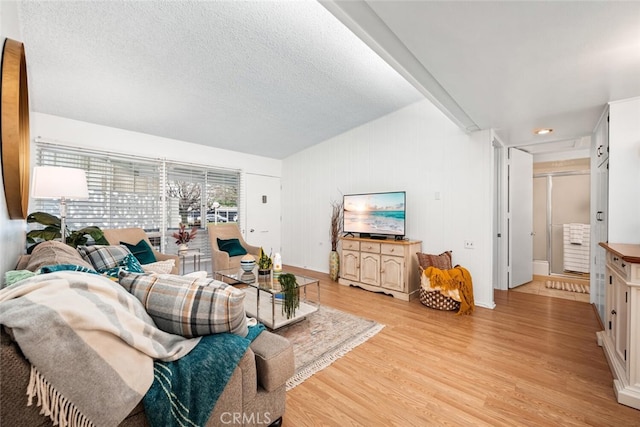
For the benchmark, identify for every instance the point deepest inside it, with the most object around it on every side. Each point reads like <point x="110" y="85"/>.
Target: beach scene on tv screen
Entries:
<point x="381" y="213"/>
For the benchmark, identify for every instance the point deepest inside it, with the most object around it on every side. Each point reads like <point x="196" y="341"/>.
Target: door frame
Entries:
<point x="500" y="240"/>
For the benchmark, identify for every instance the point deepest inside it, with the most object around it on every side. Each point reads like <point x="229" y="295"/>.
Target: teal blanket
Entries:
<point x="184" y="392"/>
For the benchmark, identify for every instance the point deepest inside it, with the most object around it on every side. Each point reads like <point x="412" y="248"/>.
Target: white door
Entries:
<point x="520" y="217"/>
<point x="263" y="212"/>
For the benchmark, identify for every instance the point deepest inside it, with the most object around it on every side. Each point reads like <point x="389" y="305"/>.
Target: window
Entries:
<point x="152" y="194"/>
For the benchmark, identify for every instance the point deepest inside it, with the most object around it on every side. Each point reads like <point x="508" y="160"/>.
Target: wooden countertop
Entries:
<point x="626" y="251"/>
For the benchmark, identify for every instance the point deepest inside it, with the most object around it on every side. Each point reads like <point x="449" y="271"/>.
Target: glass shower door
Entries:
<point x="570" y="204"/>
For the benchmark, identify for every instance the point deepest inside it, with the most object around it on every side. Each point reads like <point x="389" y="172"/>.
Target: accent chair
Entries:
<point x="133" y="236"/>
<point x="234" y="246"/>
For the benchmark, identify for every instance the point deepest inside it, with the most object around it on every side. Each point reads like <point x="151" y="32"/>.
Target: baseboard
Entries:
<point x="541" y="268"/>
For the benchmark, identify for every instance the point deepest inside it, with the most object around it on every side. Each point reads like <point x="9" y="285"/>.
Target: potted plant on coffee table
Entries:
<point x="264" y="267"/>
<point x="291" y="292"/>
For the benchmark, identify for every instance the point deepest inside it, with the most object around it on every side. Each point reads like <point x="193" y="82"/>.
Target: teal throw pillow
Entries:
<point x="232" y="247"/>
<point x="142" y="251"/>
<point x="129" y="263"/>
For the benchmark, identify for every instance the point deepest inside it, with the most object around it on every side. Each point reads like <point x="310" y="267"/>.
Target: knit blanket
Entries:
<point x="91" y="345"/>
<point x="455" y="283"/>
<point x="185" y="391"/>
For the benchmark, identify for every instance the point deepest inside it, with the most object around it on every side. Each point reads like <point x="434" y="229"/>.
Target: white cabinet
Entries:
<point x="615" y="174"/>
<point x="621" y="338"/>
<point x="389" y="266"/>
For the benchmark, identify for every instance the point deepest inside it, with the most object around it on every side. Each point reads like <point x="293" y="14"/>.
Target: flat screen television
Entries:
<point x="375" y="215"/>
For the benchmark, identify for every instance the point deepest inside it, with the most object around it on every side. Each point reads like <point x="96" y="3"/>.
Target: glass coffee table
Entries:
<point x="263" y="296"/>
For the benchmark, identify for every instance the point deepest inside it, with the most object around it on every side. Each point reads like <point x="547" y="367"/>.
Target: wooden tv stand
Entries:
<point x="388" y="266"/>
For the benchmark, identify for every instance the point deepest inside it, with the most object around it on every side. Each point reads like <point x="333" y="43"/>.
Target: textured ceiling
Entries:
<point x="272" y="78"/>
<point x="267" y="78"/>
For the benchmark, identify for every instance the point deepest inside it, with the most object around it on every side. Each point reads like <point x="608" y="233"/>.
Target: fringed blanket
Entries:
<point x="185" y="391"/>
<point x="455" y="283"/>
<point x="91" y="345"/>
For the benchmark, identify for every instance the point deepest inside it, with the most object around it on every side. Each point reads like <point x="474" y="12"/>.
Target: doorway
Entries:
<point x="561" y="217"/>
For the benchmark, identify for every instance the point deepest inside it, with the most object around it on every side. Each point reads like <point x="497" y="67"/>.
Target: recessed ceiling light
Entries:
<point x="543" y="131"/>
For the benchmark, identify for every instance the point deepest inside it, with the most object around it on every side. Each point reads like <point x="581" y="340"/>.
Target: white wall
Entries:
<point x="88" y="135"/>
<point x="624" y="171"/>
<point x="12" y="232"/>
<point x="417" y="150"/>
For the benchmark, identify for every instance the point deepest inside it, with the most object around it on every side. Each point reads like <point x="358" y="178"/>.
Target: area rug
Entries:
<point x="324" y="337"/>
<point x="567" y="286"/>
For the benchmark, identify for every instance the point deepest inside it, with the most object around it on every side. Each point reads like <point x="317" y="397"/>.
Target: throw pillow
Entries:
<point x="442" y="261"/>
<point x="189" y="307"/>
<point x="129" y="263"/>
<point x="160" y="267"/>
<point x="105" y="259"/>
<point x="142" y="251"/>
<point x="53" y="252"/>
<point x="196" y="274"/>
<point x="232" y="247"/>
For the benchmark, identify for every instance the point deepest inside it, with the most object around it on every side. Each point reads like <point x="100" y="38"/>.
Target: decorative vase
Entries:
<point x="264" y="277"/>
<point x="183" y="248"/>
<point x="334" y="265"/>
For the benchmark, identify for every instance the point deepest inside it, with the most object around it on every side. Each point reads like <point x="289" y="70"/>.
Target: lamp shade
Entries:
<point x="52" y="182"/>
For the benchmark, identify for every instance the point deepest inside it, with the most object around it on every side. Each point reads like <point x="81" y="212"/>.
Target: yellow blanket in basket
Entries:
<point x="455" y="283"/>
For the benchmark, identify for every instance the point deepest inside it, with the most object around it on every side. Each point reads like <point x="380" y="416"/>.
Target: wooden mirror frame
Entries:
<point x="14" y="113"/>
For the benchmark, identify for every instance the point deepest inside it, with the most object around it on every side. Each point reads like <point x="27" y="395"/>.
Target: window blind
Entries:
<point x="153" y="194"/>
<point x="199" y="196"/>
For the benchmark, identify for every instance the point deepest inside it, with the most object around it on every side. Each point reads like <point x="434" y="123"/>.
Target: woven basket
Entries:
<point x="435" y="300"/>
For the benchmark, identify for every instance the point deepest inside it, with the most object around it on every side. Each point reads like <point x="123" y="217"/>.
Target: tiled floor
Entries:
<point x="537" y="286"/>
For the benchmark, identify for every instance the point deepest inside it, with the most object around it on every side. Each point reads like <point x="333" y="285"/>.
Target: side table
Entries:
<point x="187" y="255"/>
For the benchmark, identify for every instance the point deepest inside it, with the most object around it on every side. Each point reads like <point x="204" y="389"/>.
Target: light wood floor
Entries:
<point x="532" y="361"/>
<point x="538" y="286"/>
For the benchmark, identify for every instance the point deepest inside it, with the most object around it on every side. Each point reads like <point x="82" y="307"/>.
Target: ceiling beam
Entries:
<point x="367" y="25"/>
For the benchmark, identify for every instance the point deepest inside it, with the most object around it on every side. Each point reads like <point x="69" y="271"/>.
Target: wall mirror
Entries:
<point x="14" y="113"/>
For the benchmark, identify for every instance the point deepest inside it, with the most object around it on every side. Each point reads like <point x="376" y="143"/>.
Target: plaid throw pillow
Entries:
<point x="104" y="257"/>
<point x="442" y="261"/>
<point x="187" y="306"/>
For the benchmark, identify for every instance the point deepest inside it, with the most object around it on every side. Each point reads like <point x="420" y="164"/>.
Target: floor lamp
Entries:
<point x="52" y="182"/>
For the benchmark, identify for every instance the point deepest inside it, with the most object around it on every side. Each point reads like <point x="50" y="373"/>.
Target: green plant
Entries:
<point x="264" y="262"/>
<point x="51" y="231"/>
<point x="291" y="292"/>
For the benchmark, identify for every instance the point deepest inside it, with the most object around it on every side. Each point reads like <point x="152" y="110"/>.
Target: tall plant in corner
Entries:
<point x="336" y="229"/>
<point x="51" y="231"/>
